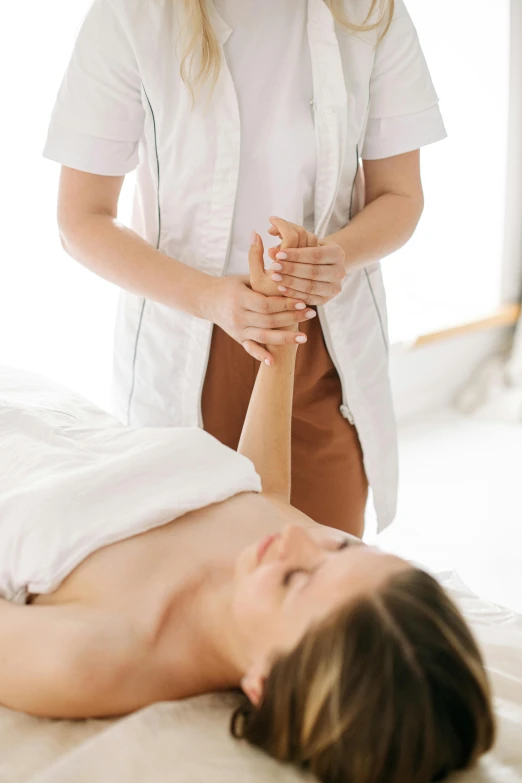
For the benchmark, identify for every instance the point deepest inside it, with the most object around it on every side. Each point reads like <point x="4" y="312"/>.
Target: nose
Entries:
<point x="295" y="540"/>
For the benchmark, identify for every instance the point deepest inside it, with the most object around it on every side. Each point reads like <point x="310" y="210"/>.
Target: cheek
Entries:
<point x="256" y="605"/>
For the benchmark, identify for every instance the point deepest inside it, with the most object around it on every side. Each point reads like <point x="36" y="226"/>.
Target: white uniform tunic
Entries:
<point x="298" y="102"/>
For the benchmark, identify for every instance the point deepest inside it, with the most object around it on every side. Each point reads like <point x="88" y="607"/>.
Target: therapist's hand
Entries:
<point x="251" y="318"/>
<point x="313" y="273"/>
<point x="292" y="237"/>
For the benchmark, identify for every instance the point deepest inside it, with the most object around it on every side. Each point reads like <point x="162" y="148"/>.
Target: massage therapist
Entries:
<point x="239" y="115"/>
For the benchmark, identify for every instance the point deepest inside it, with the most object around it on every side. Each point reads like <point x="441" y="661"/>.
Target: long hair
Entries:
<point x="391" y="688"/>
<point x="200" y="37"/>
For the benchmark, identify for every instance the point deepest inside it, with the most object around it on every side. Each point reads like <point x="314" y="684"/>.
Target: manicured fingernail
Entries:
<point x="281" y="288"/>
<point x="276" y="278"/>
<point x="300" y="306"/>
<point x="276" y="267"/>
<point x="281" y="255"/>
<point x="253" y="237"/>
<point x="311" y="314"/>
<point x="301" y="339"/>
<point x="267" y="361"/>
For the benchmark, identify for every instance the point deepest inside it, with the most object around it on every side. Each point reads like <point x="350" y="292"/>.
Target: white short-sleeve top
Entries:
<point x="269" y="59"/>
<point x="298" y="102"/>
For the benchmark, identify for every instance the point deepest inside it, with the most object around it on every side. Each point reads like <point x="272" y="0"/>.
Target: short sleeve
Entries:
<point x="403" y="113"/>
<point x="98" y="117"/>
<point x="396" y="135"/>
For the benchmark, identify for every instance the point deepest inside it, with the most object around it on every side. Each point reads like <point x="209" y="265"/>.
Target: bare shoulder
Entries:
<point x="65" y="661"/>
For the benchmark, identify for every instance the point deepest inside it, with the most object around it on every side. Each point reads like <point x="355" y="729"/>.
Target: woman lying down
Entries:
<point x="149" y="565"/>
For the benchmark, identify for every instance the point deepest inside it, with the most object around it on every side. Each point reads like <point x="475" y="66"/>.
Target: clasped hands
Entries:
<point x="265" y="308"/>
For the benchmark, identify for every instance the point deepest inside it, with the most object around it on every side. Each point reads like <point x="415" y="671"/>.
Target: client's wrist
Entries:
<point x="286" y="350"/>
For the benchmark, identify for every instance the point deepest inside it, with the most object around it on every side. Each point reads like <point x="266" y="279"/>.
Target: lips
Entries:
<point x="263" y="546"/>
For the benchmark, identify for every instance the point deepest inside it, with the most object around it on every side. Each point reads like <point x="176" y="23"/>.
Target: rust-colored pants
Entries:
<point x="328" y="479"/>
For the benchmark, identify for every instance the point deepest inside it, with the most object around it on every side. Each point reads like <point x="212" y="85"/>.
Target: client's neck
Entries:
<point x="213" y="642"/>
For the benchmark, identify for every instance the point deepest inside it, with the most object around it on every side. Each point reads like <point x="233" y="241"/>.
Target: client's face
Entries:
<point x="286" y="582"/>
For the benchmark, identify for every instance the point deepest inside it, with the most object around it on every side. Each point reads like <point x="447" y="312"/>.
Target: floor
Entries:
<point x="460" y="503"/>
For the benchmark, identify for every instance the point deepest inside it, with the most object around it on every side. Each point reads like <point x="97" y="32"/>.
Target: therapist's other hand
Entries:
<point x="292" y="236"/>
<point x="313" y="273"/>
<point x="250" y="317"/>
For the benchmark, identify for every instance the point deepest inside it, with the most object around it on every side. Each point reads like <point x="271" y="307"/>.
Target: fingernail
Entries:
<point x="276" y="267"/>
<point x="311" y="314"/>
<point x="253" y="237"/>
<point x="300" y="306"/>
<point x="281" y="288"/>
<point x="281" y="255"/>
<point x="300" y="339"/>
<point x="276" y="278"/>
<point x="267" y="361"/>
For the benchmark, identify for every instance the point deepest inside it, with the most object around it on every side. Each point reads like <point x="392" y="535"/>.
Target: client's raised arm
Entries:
<point x="266" y="434"/>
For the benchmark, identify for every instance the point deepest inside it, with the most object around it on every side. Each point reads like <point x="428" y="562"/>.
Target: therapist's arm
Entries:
<point x="92" y="235"/>
<point x="394" y="202"/>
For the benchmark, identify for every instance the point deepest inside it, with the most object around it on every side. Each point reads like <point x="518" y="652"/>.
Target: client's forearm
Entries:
<point x="266" y="434"/>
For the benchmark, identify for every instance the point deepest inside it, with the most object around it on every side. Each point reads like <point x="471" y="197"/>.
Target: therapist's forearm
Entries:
<point x="381" y="228"/>
<point x="122" y="257"/>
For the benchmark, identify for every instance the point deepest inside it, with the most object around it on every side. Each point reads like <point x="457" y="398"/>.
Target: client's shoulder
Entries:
<point x="67" y="661"/>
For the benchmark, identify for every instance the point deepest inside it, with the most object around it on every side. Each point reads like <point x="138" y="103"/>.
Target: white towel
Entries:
<point x="73" y="479"/>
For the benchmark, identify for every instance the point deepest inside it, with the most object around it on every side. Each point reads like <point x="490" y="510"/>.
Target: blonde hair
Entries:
<point x="389" y="689"/>
<point x="199" y="35"/>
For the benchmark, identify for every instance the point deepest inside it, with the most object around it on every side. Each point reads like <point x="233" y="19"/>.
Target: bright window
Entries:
<point x="451" y="270"/>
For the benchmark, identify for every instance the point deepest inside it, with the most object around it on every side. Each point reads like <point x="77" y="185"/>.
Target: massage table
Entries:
<point x="189" y="741"/>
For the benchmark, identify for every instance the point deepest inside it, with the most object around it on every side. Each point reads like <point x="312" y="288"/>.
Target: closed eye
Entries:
<point x="290" y="574"/>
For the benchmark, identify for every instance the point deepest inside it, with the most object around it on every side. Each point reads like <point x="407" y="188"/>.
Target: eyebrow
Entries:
<point x="344" y="543"/>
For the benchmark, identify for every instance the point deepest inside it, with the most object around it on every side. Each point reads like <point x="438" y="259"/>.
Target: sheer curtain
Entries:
<point x="495" y="390"/>
<point x="513" y="248"/>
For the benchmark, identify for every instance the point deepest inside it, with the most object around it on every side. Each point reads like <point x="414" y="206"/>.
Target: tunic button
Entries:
<point x="345" y="411"/>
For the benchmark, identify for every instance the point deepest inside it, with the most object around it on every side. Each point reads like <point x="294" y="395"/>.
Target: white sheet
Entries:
<point x="73" y="479"/>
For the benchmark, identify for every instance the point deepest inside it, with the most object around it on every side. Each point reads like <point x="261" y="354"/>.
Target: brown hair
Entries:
<point x="391" y="688"/>
<point x="200" y="36"/>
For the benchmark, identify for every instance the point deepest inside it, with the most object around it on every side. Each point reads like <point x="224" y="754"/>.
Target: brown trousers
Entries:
<point x="328" y="479"/>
